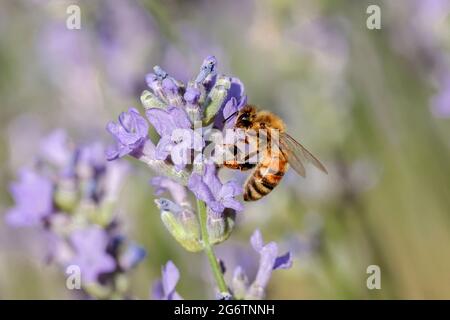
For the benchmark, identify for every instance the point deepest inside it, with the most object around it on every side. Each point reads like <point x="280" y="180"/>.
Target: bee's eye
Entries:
<point x="245" y="117"/>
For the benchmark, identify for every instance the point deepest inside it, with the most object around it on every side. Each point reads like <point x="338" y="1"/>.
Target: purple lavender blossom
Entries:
<point x="177" y="137"/>
<point x="55" y="148"/>
<point x="130" y="133"/>
<point x="208" y="68"/>
<point x="229" y="111"/>
<point x="90" y="253"/>
<point x="70" y="196"/>
<point x="268" y="261"/>
<point x="235" y="101"/>
<point x="164" y="289"/>
<point x="175" y="109"/>
<point x="33" y="195"/>
<point x="216" y="195"/>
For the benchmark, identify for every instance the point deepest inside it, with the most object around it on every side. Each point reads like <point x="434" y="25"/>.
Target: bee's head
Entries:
<point x="246" y="117"/>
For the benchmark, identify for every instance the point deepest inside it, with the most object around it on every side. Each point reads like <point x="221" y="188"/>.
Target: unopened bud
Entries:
<point x="216" y="98"/>
<point x="181" y="223"/>
<point x="219" y="226"/>
<point x="66" y="196"/>
<point x="150" y="100"/>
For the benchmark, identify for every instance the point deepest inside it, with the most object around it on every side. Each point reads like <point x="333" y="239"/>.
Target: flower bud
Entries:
<point x="150" y="100"/>
<point x="66" y="196"/>
<point x="154" y="82"/>
<point x="219" y="226"/>
<point x="172" y="91"/>
<point x="193" y="109"/>
<point x="207" y="69"/>
<point x="181" y="223"/>
<point x="216" y="98"/>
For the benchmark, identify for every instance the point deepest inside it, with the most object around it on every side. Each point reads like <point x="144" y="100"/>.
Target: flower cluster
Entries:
<point x="69" y="194"/>
<point x="181" y="115"/>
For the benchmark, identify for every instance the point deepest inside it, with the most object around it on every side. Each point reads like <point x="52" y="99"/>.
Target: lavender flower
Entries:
<point x="164" y="289"/>
<point x="130" y="134"/>
<point x="166" y="124"/>
<point x="90" y="253"/>
<point x="236" y="100"/>
<point x="55" y="148"/>
<point x="33" y="197"/>
<point x="268" y="261"/>
<point x="176" y="111"/>
<point x="70" y="196"/>
<point x="216" y="195"/>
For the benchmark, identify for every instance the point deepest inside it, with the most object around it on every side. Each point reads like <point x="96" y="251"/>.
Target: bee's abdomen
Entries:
<point x="265" y="178"/>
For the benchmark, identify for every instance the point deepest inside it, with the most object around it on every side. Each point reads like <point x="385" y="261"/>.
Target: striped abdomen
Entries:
<point x="266" y="176"/>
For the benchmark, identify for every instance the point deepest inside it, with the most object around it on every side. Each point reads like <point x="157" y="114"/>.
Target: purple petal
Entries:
<point x="192" y="95"/>
<point x="227" y="193"/>
<point x="33" y="196"/>
<point x="202" y="192"/>
<point x="211" y="180"/>
<point x="158" y="291"/>
<point x="112" y="153"/>
<point x="134" y="122"/>
<point x="130" y="133"/>
<point x="163" y="184"/>
<point x="55" y="148"/>
<point x="268" y="255"/>
<point x="169" y="86"/>
<point x="283" y="262"/>
<point x="233" y="204"/>
<point x="161" y="120"/>
<point x="163" y="148"/>
<point x="18" y="218"/>
<point x="231" y="189"/>
<point x="235" y="92"/>
<point x="90" y="253"/>
<point x="257" y="241"/>
<point x="170" y="277"/>
<point x="180" y="118"/>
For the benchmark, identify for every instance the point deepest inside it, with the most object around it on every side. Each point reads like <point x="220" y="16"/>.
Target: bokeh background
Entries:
<point x="373" y="105"/>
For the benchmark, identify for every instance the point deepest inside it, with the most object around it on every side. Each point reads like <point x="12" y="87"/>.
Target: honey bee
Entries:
<point x="275" y="157"/>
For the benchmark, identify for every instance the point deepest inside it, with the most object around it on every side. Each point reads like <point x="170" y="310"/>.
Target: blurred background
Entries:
<point x="373" y="105"/>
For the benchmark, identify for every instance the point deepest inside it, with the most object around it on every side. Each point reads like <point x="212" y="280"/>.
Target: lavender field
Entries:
<point x="102" y="198"/>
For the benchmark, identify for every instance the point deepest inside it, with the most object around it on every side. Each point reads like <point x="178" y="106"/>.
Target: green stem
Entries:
<point x="201" y="208"/>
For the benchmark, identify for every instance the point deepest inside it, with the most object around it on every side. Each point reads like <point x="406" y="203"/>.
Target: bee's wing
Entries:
<point x="297" y="154"/>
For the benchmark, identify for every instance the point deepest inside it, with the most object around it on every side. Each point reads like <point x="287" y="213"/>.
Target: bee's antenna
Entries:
<point x="230" y="116"/>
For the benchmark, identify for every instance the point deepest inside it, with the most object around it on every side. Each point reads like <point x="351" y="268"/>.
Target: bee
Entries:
<point x="280" y="151"/>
